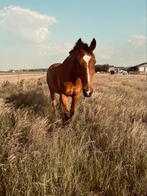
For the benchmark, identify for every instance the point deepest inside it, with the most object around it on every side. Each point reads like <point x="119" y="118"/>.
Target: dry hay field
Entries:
<point x="103" y="151"/>
<point x="16" y="77"/>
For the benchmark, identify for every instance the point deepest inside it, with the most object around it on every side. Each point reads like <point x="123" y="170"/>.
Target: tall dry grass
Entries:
<point x="103" y="151"/>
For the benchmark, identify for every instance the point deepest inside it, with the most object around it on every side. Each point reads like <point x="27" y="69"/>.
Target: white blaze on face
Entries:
<point x="87" y="58"/>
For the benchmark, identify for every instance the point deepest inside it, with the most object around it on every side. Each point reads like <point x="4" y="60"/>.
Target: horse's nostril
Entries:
<point x="91" y="91"/>
<point x="87" y="93"/>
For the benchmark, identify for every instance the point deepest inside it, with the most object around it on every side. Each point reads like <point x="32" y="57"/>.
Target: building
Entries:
<point x="140" y="68"/>
<point x="105" y="68"/>
<point x="112" y="70"/>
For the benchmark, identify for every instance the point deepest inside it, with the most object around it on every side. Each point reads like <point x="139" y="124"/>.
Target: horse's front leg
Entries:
<point x="64" y="101"/>
<point x="75" y="100"/>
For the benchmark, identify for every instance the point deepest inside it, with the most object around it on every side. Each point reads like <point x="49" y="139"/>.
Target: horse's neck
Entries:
<point x="69" y="68"/>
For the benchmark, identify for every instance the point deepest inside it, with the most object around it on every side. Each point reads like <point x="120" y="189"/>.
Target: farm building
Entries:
<point x="141" y="68"/>
<point x="112" y="69"/>
<point x="106" y="68"/>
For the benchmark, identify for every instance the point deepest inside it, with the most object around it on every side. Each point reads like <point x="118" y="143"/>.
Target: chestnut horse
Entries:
<point x="73" y="76"/>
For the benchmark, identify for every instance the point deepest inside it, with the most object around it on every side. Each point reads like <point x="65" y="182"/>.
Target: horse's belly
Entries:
<point x="53" y="81"/>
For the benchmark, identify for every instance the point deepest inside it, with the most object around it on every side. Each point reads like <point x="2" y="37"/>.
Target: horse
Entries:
<point x="74" y="75"/>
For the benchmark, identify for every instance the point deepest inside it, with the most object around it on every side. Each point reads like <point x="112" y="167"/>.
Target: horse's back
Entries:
<point x="53" y="74"/>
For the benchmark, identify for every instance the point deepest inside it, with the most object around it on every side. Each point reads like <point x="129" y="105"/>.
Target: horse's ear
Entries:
<point x="79" y="43"/>
<point x="92" y="45"/>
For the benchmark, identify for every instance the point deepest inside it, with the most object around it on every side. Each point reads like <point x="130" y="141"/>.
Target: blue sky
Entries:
<point x="36" y="33"/>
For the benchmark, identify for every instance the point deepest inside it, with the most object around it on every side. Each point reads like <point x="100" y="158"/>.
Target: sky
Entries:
<point x="38" y="33"/>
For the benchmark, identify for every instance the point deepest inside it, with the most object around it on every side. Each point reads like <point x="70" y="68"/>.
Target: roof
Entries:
<point x="142" y="64"/>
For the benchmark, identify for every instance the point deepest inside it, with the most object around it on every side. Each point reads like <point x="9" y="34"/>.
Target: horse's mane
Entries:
<point x="83" y="46"/>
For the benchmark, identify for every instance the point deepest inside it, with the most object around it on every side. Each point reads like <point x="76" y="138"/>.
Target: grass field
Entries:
<point x="16" y="77"/>
<point x="103" y="151"/>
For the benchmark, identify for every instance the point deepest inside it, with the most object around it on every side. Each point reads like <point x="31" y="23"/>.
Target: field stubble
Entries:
<point x="103" y="151"/>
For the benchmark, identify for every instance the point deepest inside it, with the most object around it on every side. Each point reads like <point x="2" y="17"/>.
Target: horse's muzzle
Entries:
<point x="87" y="93"/>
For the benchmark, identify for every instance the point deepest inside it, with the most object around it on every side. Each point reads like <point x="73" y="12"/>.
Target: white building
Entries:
<point x="142" y="68"/>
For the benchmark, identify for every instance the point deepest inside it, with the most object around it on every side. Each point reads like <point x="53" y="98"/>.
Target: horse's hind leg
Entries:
<point x="54" y="102"/>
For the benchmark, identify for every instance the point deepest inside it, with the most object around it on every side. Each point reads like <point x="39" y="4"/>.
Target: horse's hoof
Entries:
<point x="67" y="119"/>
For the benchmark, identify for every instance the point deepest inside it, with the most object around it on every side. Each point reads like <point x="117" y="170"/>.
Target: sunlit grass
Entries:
<point x="103" y="151"/>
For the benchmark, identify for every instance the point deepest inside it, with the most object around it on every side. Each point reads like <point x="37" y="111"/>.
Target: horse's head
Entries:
<point x="86" y="62"/>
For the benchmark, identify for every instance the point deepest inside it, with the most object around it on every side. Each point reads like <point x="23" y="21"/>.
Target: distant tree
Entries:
<point x="102" y="68"/>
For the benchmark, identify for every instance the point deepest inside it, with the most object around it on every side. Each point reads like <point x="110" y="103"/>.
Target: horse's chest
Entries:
<point x="71" y="89"/>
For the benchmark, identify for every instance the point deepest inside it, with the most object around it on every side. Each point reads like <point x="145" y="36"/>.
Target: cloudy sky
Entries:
<point x="37" y="33"/>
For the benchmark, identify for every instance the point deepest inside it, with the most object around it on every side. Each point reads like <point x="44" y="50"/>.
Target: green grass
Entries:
<point x="103" y="151"/>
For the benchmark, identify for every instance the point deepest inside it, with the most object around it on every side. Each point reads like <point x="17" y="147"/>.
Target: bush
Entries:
<point x="33" y="99"/>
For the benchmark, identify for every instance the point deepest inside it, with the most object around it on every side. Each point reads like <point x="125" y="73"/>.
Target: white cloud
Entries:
<point x="104" y="53"/>
<point x="30" y="25"/>
<point x="45" y="50"/>
<point x="138" y="40"/>
<point x="104" y="56"/>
